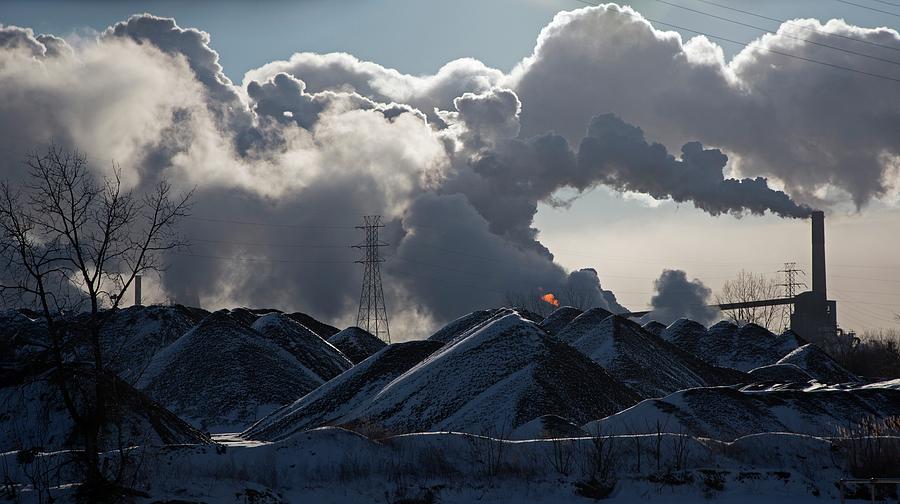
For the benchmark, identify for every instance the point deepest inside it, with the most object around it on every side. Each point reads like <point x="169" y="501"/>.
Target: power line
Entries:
<point x="766" y="30"/>
<point x="788" y="21"/>
<point x="257" y="259"/>
<point x="866" y="278"/>
<point x="887" y="3"/>
<point x="267" y="224"/>
<point x="263" y="244"/>
<point x="767" y="49"/>
<point x="867" y="7"/>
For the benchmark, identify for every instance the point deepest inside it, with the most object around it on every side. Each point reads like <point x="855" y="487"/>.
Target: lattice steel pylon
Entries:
<point x="372" y="314"/>
<point x="790" y="287"/>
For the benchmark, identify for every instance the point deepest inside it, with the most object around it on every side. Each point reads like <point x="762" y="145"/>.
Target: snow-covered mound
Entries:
<point x="133" y="335"/>
<point x="548" y="427"/>
<point x="248" y="316"/>
<point x="222" y="375"/>
<point x="130" y="336"/>
<point x="781" y="373"/>
<point x="727" y="413"/>
<point x="818" y="364"/>
<point x="582" y="324"/>
<point x="311" y="351"/>
<point x="338" y="401"/>
<point x="684" y="330"/>
<point x="655" y="328"/>
<point x="356" y="343"/>
<point x="559" y="319"/>
<point x="463" y="324"/>
<point x="22" y="334"/>
<point x="725" y="344"/>
<point x="33" y="414"/>
<point x="494" y="379"/>
<point x="649" y="364"/>
<point x="324" y="330"/>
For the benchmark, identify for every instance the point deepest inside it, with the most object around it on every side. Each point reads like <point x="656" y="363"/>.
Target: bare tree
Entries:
<point x="750" y="286"/>
<point x="70" y="242"/>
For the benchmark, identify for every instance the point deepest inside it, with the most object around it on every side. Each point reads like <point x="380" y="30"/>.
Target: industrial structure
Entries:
<point x="814" y="316"/>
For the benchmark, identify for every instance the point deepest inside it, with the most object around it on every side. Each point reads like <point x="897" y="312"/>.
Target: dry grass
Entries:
<point x="873" y="447"/>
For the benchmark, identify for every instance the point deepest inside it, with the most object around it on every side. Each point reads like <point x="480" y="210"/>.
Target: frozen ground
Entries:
<point x="332" y="465"/>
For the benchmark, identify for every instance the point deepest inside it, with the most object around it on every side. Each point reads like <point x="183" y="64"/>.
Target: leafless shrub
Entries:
<point x="872" y="447"/>
<point x="681" y="446"/>
<point x="601" y="457"/>
<point x="488" y="451"/>
<point x="560" y="452"/>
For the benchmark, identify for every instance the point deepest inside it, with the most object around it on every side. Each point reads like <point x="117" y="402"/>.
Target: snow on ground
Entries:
<point x="33" y="415"/>
<point x="728" y="413"/>
<point x="338" y="466"/>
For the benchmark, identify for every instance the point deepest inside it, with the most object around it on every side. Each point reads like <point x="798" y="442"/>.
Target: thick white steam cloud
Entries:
<point x="457" y="162"/>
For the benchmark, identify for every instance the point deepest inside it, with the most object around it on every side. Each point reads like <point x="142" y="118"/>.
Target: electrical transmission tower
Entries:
<point x="791" y="285"/>
<point x="792" y="281"/>
<point x="372" y="314"/>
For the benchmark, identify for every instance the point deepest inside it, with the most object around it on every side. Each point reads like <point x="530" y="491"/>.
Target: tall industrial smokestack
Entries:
<point x="137" y="290"/>
<point x="818" y="253"/>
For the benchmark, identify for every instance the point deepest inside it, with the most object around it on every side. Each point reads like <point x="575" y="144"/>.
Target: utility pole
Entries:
<point x="372" y="315"/>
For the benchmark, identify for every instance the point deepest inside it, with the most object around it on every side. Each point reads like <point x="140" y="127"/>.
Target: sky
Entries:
<point x="627" y="238"/>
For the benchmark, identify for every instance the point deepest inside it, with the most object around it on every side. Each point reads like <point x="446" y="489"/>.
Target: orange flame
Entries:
<point x="550" y="298"/>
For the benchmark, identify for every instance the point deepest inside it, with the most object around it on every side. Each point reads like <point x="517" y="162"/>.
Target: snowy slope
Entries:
<point x="548" y="427"/>
<point x="336" y="402"/>
<point x="463" y="324"/>
<point x="356" y="343"/>
<point x="21" y="335"/>
<point x="222" y="375"/>
<point x="725" y="344"/>
<point x="498" y="377"/>
<point x="781" y="373"/>
<point x="560" y="318"/>
<point x="32" y="414"/>
<point x="324" y="330"/>
<point x="649" y="364"/>
<point x="133" y="335"/>
<point x="819" y="365"/>
<point x="654" y="327"/>
<point x="727" y="413"/>
<point x="311" y="351"/>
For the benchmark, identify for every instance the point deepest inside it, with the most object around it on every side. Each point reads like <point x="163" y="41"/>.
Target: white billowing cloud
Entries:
<point x="800" y="122"/>
<point x="344" y="72"/>
<point x="456" y="161"/>
<point x="110" y="100"/>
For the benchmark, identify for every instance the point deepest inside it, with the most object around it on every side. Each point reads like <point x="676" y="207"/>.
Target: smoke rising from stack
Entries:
<point x="678" y="297"/>
<point x="457" y="162"/>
